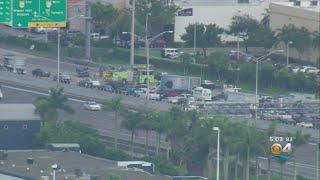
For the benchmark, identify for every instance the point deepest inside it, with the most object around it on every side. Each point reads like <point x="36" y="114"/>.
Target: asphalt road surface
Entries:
<point x="103" y="121"/>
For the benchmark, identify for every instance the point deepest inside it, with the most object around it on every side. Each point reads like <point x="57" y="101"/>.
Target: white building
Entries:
<point x="216" y="11"/>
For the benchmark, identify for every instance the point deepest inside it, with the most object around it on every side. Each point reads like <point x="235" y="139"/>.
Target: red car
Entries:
<point x="158" y="43"/>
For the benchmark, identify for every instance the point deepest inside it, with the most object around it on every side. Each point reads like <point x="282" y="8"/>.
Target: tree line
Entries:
<point x="190" y="135"/>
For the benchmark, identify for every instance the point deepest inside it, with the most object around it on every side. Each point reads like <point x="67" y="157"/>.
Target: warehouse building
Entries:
<point x="18" y="126"/>
<point x="300" y="14"/>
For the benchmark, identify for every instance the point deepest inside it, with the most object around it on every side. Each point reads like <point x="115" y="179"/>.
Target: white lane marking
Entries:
<point x="307" y="166"/>
<point x="164" y="143"/>
<point x="37" y="92"/>
<point x="313" y="144"/>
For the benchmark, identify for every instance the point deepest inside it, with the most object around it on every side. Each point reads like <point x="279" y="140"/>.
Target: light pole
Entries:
<point x="132" y="33"/>
<point x="59" y="46"/>
<point x="257" y="71"/>
<point x="218" y="150"/>
<point x="58" y="57"/>
<point x="87" y="18"/>
<point x="194" y="42"/>
<point x="147" y="52"/>
<point x="88" y="31"/>
<point x="288" y="47"/>
<point x="54" y="168"/>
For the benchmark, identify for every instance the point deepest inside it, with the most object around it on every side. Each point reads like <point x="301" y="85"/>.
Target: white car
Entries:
<point x="304" y="124"/>
<point x="92" y="106"/>
<point x="312" y="70"/>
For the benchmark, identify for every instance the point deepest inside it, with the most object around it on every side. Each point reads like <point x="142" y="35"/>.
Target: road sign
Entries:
<point x="35" y="12"/>
<point x="5" y="11"/>
<point x="46" y="24"/>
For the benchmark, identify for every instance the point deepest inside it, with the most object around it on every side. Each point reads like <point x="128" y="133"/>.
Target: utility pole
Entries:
<point x="194" y="42"/>
<point x="132" y="33"/>
<point x="88" y="31"/>
<point x="147" y="52"/>
<point x="58" y="57"/>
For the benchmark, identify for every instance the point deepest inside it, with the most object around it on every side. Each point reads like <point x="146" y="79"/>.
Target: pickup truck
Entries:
<point x="152" y="95"/>
<point x="64" y="78"/>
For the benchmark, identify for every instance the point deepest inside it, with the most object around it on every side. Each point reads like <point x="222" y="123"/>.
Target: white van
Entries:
<point x="170" y="53"/>
<point x="202" y="94"/>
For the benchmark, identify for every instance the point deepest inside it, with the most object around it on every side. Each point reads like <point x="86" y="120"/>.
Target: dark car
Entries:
<point x="108" y="88"/>
<point x="40" y="73"/>
<point x="85" y="83"/>
<point x="82" y="72"/>
<point x="64" y="78"/>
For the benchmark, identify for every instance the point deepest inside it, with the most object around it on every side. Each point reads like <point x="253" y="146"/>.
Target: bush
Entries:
<point x="116" y="155"/>
<point x="160" y="63"/>
<point x="166" y="167"/>
<point x="104" y="43"/>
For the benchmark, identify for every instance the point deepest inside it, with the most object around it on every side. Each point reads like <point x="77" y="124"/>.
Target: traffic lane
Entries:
<point x="103" y="121"/>
<point x="44" y="62"/>
<point x="80" y="92"/>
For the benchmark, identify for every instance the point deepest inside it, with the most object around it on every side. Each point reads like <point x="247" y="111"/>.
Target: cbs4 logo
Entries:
<point x="277" y="149"/>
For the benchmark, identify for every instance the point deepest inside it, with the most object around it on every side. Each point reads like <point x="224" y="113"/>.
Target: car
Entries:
<point x="108" y="88"/>
<point x="85" y="83"/>
<point x="63" y="77"/>
<point x="82" y="71"/>
<point x="305" y="124"/>
<point x="40" y="73"/>
<point x="92" y="106"/>
<point x="170" y="53"/>
<point x="312" y="70"/>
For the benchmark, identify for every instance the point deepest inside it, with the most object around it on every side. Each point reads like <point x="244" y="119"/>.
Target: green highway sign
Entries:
<point x="37" y="12"/>
<point x="54" y="10"/>
<point x="5" y="11"/>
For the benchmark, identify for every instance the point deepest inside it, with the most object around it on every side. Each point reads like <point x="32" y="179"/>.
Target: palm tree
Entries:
<point x="299" y="139"/>
<point x="132" y="122"/>
<point x="178" y="127"/>
<point x="265" y="21"/>
<point x="116" y="106"/>
<point x="147" y="125"/>
<point x="47" y="107"/>
<point x="161" y="123"/>
<point x="270" y="132"/>
<point x="249" y="143"/>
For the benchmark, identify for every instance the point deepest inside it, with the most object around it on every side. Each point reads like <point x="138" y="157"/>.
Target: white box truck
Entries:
<point x="14" y="64"/>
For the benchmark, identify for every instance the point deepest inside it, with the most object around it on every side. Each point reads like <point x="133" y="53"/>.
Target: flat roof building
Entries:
<point x="18" y="126"/>
<point x="219" y="13"/>
<point x="303" y="14"/>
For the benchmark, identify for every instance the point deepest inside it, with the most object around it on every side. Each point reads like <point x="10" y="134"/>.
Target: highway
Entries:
<point x="103" y="121"/>
<point x="24" y="89"/>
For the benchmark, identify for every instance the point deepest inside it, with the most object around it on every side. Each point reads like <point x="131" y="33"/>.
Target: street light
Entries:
<point x="132" y="32"/>
<point x="288" y="47"/>
<point x="218" y="150"/>
<point x="257" y="60"/>
<point x="59" y="46"/>
<point x="54" y="168"/>
<point x="148" y="41"/>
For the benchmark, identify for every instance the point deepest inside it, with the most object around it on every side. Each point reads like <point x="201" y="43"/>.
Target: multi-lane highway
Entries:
<point x="103" y="121"/>
<point x="24" y="89"/>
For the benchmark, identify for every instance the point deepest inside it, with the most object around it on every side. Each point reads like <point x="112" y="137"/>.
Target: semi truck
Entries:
<point x="14" y="63"/>
<point x="176" y="82"/>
